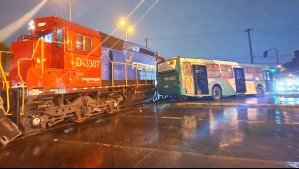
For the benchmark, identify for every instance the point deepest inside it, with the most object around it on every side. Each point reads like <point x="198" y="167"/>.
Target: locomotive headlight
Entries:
<point x="31" y="26"/>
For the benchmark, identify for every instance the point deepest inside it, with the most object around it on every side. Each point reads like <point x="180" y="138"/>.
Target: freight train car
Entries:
<point x="63" y="70"/>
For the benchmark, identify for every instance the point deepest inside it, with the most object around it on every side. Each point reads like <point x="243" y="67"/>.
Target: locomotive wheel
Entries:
<point x="77" y="117"/>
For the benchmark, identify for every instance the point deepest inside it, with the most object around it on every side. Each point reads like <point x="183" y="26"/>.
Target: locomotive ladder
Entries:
<point x="8" y="129"/>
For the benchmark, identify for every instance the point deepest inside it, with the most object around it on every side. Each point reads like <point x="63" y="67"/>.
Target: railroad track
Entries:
<point x="66" y="127"/>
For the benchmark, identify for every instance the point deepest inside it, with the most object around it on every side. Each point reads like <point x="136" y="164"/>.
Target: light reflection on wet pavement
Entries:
<point x="170" y="135"/>
<point x="276" y="100"/>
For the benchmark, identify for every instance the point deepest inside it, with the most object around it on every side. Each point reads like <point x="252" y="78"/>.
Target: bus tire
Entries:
<point x="216" y="93"/>
<point x="260" y="91"/>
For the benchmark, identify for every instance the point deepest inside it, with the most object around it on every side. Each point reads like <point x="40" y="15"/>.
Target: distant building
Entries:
<point x="296" y="59"/>
<point x="294" y="65"/>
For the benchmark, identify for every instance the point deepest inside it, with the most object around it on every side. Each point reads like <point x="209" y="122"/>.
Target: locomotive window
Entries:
<point x="79" y="42"/>
<point x="48" y="38"/>
<point x="87" y="44"/>
<point x="83" y="43"/>
<point x="59" y="38"/>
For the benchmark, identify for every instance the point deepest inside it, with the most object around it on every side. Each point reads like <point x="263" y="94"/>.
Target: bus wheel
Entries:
<point x="216" y="93"/>
<point x="260" y="92"/>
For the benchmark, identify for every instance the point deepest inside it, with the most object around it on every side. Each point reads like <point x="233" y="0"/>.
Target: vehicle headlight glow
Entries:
<point x="290" y="83"/>
<point x="280" y="88"/>
<point x="280" y="83"/>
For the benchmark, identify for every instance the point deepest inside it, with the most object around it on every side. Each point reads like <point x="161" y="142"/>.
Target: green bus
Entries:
<point x="192" y="77"/>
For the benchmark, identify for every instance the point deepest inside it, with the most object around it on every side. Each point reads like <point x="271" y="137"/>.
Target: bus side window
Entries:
<point x="248" y="73"/>
<point x="226" y="71"/>
<point x="223" y="67"/>
<point x="213" y="70"/>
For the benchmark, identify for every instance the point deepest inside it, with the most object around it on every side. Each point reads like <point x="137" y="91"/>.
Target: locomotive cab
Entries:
<point x="57" y="53"/>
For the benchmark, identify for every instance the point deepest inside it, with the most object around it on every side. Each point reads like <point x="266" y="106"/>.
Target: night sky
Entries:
<point x="208" y="29"/>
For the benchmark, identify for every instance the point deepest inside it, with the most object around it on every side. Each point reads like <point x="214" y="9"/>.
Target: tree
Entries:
<point x="5" y="57"/>
<point x="294" y="65"/>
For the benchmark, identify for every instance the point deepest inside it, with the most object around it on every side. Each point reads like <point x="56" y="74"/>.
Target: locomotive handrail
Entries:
<point x="112" y="72"/>
<point x="26" y="37"/>
<point x="126" y="73"/>
<point x="135" y="64"/>
<point x="6" y="84"/>
<point x="19" y="72"/>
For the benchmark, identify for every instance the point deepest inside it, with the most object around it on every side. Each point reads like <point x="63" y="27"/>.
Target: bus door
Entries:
<point x="268" y="81"/>
<point x="240" y="80"/>
<point x="200" y="79"/>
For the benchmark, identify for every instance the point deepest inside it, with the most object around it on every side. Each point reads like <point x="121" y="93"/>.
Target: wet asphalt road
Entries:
<point x="235" y="132"/>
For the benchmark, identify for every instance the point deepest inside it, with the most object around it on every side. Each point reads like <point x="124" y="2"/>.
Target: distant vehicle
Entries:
<point x="193" y="77"/>
<point x="287" y="83"/>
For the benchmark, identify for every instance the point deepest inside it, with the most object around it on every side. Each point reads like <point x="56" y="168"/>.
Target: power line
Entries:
<point x="270" y="32"/>
<point x="276" y="31"/>
<point x="192" y="35"/>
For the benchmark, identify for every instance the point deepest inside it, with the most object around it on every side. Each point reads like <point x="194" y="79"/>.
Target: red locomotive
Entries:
<point x="63" y="70"/>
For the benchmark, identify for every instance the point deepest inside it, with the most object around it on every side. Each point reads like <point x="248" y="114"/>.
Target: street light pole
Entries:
<point x="277" y="58"/>
<point x="126" y="32"/>
<point x="126" y="26"/>
<point x="70" y="10"/>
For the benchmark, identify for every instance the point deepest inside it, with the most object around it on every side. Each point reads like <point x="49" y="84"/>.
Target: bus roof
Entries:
<point x="218" y="62"/>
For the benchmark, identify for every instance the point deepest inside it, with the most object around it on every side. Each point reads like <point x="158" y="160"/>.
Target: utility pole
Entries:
<point x="251" y="56"/>
<point x="146" y="40"/>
